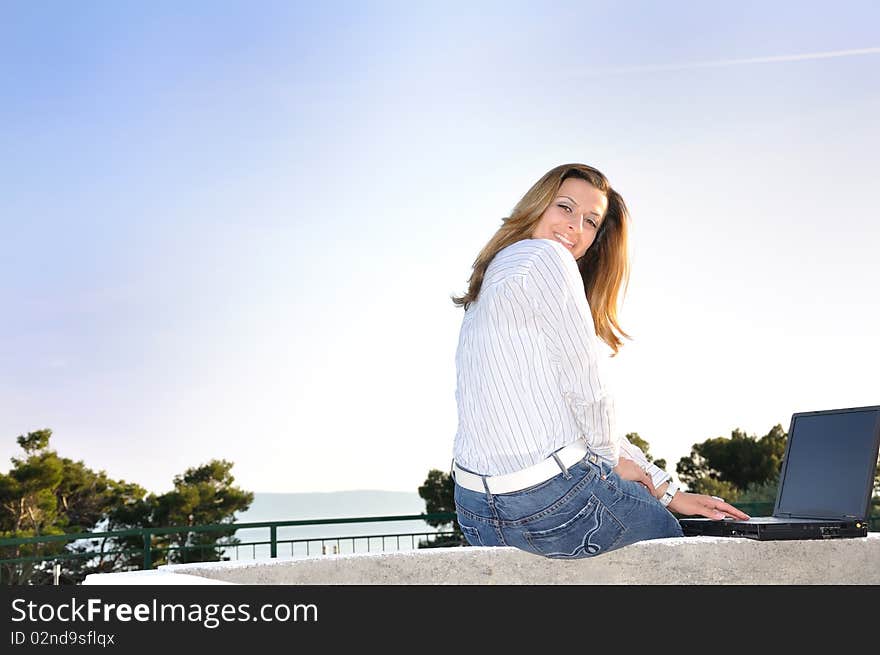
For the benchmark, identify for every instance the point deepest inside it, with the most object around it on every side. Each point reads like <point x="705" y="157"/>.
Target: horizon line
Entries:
<point x="737" y="62"/>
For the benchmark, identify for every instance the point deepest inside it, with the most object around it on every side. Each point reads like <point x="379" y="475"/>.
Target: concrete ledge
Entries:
<point x="685" y="560"/>
<point x="159" y="576"/>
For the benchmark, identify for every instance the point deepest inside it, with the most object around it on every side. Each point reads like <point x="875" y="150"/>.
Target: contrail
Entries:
<point x="736" y="62"/>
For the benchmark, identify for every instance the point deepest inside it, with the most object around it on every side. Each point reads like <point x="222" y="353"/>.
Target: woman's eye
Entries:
<point x="566" y="208"/>
<point x="593" y="223"/>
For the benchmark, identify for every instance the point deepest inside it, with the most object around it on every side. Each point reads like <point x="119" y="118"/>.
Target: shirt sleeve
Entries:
<point x="628" y="450"/>
<point x="569" y="332"/>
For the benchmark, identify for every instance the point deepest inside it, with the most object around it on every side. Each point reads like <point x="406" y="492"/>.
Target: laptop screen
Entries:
<point x="829" y="464"/>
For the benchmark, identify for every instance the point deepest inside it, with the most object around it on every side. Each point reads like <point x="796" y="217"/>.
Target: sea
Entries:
<point x="311" y="540"/>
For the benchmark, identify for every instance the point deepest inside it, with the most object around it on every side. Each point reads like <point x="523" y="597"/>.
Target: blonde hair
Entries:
<point x="605" y="266"/>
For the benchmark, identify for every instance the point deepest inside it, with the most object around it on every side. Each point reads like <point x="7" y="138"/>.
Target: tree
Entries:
<point x="44" y="494"/>
<point x="728" y="467"/>
<point x="762" y="492"/>
<point x="438" y="492"/>
<point x="203" y="495"/>
<point x="91" y="501"/>
<point x="28" y="507"/>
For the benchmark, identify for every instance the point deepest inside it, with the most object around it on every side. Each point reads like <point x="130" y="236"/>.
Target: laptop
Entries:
<point x="825" y="482"/>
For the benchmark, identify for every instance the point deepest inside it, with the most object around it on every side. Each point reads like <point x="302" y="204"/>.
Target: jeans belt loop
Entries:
<point x="562" y="467"/>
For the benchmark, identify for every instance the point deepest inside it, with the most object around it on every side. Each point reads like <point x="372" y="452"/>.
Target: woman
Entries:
<point x="537" y="462"/>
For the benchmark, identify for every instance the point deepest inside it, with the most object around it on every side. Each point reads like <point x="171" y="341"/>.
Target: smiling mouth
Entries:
<point x="565" y="242"/>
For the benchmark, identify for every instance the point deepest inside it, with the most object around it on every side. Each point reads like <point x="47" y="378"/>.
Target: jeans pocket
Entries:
<point x="591" y="531"/>
<point x="471" y="534"/>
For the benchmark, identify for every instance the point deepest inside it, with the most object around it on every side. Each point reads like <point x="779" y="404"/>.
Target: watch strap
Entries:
<point x="669" y="493"/>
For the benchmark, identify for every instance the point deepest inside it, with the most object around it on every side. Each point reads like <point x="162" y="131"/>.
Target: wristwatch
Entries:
<point x="669" y="494"/>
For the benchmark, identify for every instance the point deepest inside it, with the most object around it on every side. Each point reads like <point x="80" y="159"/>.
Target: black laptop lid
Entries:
<point x="829" y="464"/>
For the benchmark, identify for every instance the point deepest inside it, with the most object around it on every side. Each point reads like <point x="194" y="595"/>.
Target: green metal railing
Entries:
<point x="150" y="548"/>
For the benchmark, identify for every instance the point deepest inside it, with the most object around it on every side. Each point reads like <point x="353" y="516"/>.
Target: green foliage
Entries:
<point x="738" y="462"/>
<point x="28" y="507"/>
<point x="203" y="495"/>
<point x="27" y="501"/>
<point x="438" y="492"/>
<point x="746" y="470"/>
<point x="44" y="494"/>
<point x="761" y="492"/>
<point x="82" y="495"/>
<point x="713" y="487"/>
<point x="34" y="441"/>
<point x="876" y="493"/>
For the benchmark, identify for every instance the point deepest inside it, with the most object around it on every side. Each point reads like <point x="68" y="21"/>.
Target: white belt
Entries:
<point x="527" y="477"/>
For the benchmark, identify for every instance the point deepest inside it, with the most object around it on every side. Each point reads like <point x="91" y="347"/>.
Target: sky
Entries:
<point x="232" y="229"/>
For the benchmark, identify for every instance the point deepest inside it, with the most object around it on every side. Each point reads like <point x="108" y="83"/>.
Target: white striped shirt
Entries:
<point x="528" y="367"/>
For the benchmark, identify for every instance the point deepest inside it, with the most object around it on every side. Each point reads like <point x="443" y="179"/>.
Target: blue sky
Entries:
<point x="232" y="229"/>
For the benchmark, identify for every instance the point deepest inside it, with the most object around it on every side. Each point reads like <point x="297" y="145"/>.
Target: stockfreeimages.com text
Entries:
<point x="210" y="615"/>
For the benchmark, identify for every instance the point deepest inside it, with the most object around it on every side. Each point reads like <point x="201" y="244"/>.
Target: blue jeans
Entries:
<point x="584" y="512"/>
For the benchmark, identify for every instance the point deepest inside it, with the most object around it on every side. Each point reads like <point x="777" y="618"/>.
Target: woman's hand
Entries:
<point x="711" y="507"/>
<point x="630" y="470"/>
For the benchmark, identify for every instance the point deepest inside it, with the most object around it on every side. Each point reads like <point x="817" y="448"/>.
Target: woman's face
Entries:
<point x="574" y="216"/>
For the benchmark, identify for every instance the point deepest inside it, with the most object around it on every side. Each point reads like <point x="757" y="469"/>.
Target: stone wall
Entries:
<point x="685" y="560"/>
